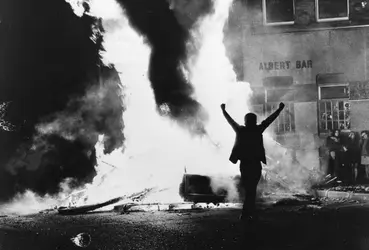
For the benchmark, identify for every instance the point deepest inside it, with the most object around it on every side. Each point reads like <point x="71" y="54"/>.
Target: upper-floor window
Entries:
<point x="332" y="10"/>
<point x="277" y="12"/>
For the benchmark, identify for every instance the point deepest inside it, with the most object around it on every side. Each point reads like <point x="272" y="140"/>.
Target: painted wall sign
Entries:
<point x="285" y="65"/>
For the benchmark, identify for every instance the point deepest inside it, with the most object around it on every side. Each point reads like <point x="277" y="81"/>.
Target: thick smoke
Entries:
<point x="99" y="111"/>
<point x="233" y="37"/>
<point x="188" y="13"/>
<point x="61" y="97"/>
<point x="293" y="165"/>
<point x="166" y="26"/>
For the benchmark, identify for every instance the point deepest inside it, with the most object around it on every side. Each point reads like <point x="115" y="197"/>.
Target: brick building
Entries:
<point x="311" y="54"/>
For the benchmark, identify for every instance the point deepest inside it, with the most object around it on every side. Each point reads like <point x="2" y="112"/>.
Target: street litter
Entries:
<point x="288" y="202"/>
<point x="82" y="240"/>
<point x="310" y="206"/>
<point x="73" y="210"/>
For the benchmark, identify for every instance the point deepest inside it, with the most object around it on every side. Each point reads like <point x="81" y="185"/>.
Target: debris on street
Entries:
<point x="349" y="188"/>
<point x="288" y="202"/>
<point x="82" y="240"/>
<point x="131" y="199"/>
<point x="87" y="208"/>
<point x="311" y="207"/>
<point x="331" y="180"/>
<point x="48" y="211"/>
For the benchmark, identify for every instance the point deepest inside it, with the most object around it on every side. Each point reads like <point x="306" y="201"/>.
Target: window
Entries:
<point x="333" y="92"/>
<point x="285" y="122"/>
<point x="334" y="108"/>
<point x="334" y="114"/>
<point x="332" y="10"/>
<point x="276" y="12"/>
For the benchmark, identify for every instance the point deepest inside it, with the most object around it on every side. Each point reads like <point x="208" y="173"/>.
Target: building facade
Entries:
<point x="311" y="54"/>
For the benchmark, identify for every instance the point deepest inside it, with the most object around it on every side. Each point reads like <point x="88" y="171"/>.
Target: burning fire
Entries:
<point x="157" y="149"/>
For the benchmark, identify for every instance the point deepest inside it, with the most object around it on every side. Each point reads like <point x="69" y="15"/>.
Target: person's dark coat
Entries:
<point x="362" y="144"/>
<point x="249" y="143"/>
<point x="353" y="150"/>
<point x="333" y="143"/>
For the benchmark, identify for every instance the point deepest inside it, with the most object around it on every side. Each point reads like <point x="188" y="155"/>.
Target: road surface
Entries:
<point x="340" y="225"/>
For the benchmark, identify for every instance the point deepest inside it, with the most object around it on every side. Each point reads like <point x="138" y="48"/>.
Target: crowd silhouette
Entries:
<point x="348" y="156"/>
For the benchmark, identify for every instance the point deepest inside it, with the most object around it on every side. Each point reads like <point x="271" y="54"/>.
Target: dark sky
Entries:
<point x="48" y="62"/>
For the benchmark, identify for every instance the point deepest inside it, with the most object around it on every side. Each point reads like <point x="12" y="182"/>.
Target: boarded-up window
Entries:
<point x="334" y="92"/>
<point x="331" y="10"/>
<point x="278" y="11"/>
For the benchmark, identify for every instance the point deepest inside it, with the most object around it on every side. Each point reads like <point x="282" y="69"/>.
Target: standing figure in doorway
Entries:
<point x="249" y="149"/>
<point x="335" y="148"/>
<point x="364" y="149"/>
<point x="352" y="159"/>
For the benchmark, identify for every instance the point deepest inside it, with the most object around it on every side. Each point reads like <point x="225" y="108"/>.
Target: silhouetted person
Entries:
<point x="335" y="147"/>
<point x="364" y="146"/>
<point x="352" y="155"/>
<point x="249" y="149"/>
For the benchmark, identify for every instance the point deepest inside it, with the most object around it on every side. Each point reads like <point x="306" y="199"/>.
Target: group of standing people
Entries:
<point x="347" y="155"/>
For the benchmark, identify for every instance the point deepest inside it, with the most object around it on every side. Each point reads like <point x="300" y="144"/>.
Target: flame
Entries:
<point x="157" y="150"/>
<point x="214" y="79"/>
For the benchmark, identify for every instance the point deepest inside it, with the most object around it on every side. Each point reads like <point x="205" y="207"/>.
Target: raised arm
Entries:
<point x="264" y="124"/>
<point x="229" y="119"/>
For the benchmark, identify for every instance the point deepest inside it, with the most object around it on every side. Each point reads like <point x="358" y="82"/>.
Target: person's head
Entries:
<point x="364" y="135"/>
<point x="351" y="135"/>
<point x="336" y="133"/>
<point x="250" y="119"/>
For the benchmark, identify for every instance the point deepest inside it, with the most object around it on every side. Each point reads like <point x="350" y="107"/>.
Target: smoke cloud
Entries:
<point x="165" y="25"/>
<point x="59" y="95"/>
<point x="63" y="98"/>
<point x="293" y="161"/>
<point x="233" y="37"/>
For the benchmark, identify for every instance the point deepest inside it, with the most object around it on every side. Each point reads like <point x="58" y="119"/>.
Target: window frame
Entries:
<point x="330" y="85"/>
<point x="320" y="100"/>
<point x="332" y="19"/>
<point x="277" y="23"/>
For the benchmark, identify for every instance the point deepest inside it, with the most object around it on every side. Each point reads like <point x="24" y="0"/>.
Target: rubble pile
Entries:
<point x="129" y="200"/>
<point x="347" y="188"/>
<point x="276" y="181"/>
